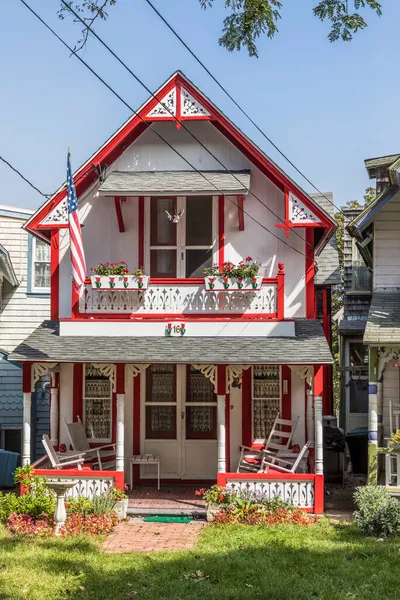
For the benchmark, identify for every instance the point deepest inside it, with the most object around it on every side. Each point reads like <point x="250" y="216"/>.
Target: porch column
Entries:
<point x="54" y="409"/>
<point x="120" y="386"/>
<point x="27" y="399"/>
<point x="380" y="410"/>
<point x="221" y="433"/>
<point x="373" y="417"/>
<point x="310" y="415"/>
<point x="319" y="437"/>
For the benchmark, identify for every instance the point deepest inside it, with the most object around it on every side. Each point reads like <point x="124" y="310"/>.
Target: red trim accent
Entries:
<point x="246" y="408"/>
<point x="287" y="398"/>
<point x="120" y="378"/>
<point x="221" y="231"/>
<point x="178" y="105"/>
<point x="228" y="432"/>
<point x="27" y="377"/>
<point x="319" y="495"/>
<point x="187" y="280"/>
<point x="118" y="210"/>
<point x="280" y="292"/>
<point x="221" y="380"/>
<point x="318" y="381"/>
<point x="310" y="271"/>
<point x="77" y="391"/>
<point x="114" y="418"/>
<point x="54" y="273"/>
<point x="240" y="203"/>
<point x="245" y="317"/>
<point x="141" y="232"/>
<point x="136" y="425"/>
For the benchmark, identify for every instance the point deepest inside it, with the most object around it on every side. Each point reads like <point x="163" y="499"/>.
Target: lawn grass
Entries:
<point x="235" y="562"/>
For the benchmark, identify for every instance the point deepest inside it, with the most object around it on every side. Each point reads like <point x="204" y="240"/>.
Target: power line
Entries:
<point x="154" y="131"/>
<point x="177" y="120"/>
<point x="200" y="62"/>
<point x="24" y="178"/>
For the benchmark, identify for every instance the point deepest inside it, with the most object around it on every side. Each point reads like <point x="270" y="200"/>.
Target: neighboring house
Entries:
<point x="24" y="303"/>
<point x="176" y="366"/>
<point x="376" y="234"/>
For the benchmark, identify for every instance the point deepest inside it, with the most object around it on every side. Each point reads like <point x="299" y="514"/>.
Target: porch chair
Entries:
<point x="56" y="461"/>
<point x="79" y="442"/>
<point x="279" y="462"/>
<point x="278" y="439"/>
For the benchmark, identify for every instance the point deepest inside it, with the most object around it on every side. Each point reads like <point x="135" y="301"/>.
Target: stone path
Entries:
<point x="170" y="497"/>
<point x="138" y="536"/>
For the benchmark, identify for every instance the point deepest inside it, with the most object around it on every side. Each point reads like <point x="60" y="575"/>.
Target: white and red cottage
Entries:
<point x="177" y="367"/>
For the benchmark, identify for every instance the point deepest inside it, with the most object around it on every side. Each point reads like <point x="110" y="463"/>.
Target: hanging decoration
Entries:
<point x="176" y="218"/>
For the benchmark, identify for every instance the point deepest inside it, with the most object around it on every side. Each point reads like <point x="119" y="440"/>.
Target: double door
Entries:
<point x="179" y="422"/>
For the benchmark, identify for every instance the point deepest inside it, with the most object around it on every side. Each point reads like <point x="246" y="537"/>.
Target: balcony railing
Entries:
<point x="182" y="297"/>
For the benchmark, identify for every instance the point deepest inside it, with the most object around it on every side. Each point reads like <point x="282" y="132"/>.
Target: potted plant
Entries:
<point x="116" y="276"/>
<point x="216" y="498"/>
<point x="231" y="277"/>
<point x="121" y="503"/>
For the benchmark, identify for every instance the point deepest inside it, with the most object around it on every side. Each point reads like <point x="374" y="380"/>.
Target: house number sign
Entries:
<point x="175" y="329"/>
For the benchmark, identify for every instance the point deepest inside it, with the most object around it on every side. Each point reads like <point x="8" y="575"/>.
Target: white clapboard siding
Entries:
<point x="387" y="246"/>
<point x="22" y="312"/>
<point x="391" y="379"/>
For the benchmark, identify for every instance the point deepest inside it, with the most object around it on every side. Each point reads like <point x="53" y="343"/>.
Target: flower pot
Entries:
<point x="121" y="509"/>
<point x="232" y="284"/>
<point x="211" y="511"/>
<point x="119" y="282"/>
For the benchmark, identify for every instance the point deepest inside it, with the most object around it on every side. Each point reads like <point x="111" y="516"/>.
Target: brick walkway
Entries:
<point x="175" y="497"/>
<point x="138" y="536"/>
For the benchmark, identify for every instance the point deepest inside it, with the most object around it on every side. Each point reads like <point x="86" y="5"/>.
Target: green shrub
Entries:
<point x="377" y="513"/>
<point x="33" y="504"/>
<point x="104" y="504"/>
<point x="386" y="521"/>
<point x="8" y="505"/>
<point x="83" y="506"/>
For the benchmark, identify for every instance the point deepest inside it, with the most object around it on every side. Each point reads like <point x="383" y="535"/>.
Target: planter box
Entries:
<point x="121" y="508"/>
<point x="231" y="284"/>
<point x="119" y="282"/>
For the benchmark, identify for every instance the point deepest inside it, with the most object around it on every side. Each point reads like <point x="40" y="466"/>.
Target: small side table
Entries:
<point x="145" y="459"/>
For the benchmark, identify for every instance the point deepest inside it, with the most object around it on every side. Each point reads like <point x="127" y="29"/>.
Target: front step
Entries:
<point x="197" y="513"/>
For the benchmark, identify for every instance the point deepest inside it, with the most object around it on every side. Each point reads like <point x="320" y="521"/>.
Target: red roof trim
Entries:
<point x="134" y="127"/>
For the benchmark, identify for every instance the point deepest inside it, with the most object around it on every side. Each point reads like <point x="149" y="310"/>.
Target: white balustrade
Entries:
<point x="86" y="487"/>
<point x="299" y="493"/>
<point x="179" y="299"/>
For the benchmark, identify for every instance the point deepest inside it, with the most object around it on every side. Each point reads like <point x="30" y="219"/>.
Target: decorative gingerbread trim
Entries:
<point x="209" y="371"/>
<point x="110" y="371"/>
<point x="135" y="370"/>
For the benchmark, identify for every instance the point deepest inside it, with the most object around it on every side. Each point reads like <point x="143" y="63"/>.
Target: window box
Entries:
<point x="232" y="284"/>
<point x="119" y="282"/>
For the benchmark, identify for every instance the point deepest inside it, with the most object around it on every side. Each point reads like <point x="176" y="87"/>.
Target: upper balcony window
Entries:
<point x="361" y="274"/>
<point x="185" y="248"/>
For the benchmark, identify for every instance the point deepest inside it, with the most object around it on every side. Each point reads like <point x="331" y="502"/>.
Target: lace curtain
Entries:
<point x="266" y="399"/>
<point x="97" y="401"/>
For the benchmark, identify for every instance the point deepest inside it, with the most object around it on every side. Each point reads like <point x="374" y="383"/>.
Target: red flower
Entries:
<point x="249" y="259"/>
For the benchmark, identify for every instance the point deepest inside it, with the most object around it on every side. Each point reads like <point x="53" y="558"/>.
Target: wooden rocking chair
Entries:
<point x="281" y="463"/>
<point x="278" y="439"/>
<point x="79" y="442"/>
<point x="56" y="461"/>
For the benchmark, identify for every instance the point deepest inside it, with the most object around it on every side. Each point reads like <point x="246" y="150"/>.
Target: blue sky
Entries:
<point x="327" y="106"/>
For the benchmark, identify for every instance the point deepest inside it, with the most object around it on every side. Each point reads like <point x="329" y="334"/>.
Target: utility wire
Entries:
<point x="154" y="131"/>
<point x="177" y="120"/>
<point x="201" y="63"/>
<point x="24" y="178"/>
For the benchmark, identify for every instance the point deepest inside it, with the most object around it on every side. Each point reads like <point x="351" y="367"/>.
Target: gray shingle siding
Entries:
<point x="383" y="325"/>
<point x="328" y="271"/>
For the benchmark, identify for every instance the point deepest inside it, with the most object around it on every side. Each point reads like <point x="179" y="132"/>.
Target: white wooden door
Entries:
<point x="179" y="422"/>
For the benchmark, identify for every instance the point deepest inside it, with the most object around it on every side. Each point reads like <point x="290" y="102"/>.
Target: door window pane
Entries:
<point x="162" y="230"/>
<point x="201" y="421"/>
<point x="161" y="385"/>
<point x="162" y="263"/>
<point x="198" y="221"/>
<point x="161" y="422"/>
<point x="98" y="404"/>
<point x="266" y="399"/>
<point x="196" y="261"/>
<point x="161" y="388"/>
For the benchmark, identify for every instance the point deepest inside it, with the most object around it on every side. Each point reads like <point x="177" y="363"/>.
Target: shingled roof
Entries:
<point x="328" y="271"/>
<point x="383" y="324"/>
<point x="309" y="346"/>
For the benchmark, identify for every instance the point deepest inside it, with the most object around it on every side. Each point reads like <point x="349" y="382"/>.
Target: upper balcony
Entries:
<point x="183" y="298"/>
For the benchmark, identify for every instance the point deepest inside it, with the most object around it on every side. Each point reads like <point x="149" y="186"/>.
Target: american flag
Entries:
<point x="75" y="234"/>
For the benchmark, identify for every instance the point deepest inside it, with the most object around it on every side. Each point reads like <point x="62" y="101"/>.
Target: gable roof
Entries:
<point x="371" y="164"/>
<point x="328" y="269"/>
<point x="178" y="99"/>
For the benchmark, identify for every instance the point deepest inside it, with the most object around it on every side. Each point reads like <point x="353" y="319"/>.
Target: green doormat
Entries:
<point x="167" y="519"/>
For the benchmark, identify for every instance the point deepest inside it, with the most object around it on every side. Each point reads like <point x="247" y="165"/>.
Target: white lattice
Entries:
<point x="108" y="370"/>
<point x="165" y="108"/>
<point x="58" y="216"/>
<point x="190" y="107"/>
<point x="299" y="493"/>
<point x="299" y="213"/>
<point x="184" y="299"/>
<point x="87" y="487"/>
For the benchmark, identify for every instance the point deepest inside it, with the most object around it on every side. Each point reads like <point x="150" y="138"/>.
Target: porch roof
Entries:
<point x="309" y="346"/>
<point x="383" y="324"/>
<point x="175" y="183"/>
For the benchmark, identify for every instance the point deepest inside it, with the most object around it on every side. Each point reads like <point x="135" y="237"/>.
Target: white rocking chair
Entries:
<point x="79" y="442"/>
<point x="278" y="439"/>
<point x="56" y="461"/>
<point x="281" y="464"/>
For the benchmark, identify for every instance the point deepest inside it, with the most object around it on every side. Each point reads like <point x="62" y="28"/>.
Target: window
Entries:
<point x="161" y="402"/>
<point x="97" y="405"/>
<point x="361" y="274"/>
<point x="201" y="406"/>
<point x="266" y="399"/>
<point x="39" y="266"/>
<point x="358" y="379"/>
<point x="11" y="439"/>
<point x="185" y="248"/>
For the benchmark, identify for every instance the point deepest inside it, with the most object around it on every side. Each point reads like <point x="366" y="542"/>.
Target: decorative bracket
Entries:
<point x="135" y="370"/>
<point x="110" y="371"/>
<point x="305" y="372"/>
<point x="209" y="371"/>
<point x="235" y="372"/>
<point x="384" y="356"/>
<point x="39" y="370"/>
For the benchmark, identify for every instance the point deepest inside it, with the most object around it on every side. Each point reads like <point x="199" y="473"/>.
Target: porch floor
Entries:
<point x="170" y="499"/>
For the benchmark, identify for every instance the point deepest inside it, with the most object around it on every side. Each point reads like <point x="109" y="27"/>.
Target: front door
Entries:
<point x="179" y="422"/>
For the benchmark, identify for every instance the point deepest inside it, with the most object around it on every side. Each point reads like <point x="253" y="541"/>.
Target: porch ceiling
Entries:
<point x="383" y="324"/>
<point x="309" y="346"/>
<point x="175" y="183"/>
